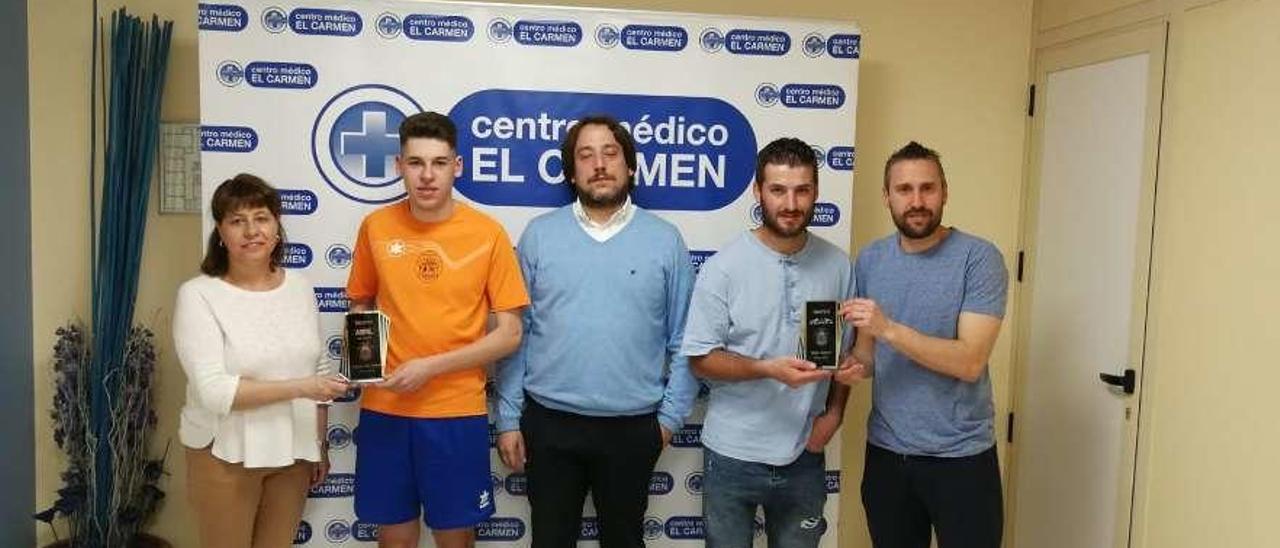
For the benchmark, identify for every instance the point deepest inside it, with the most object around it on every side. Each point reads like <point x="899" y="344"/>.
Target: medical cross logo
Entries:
<point x="388" y="25"/>
<point x="814" y="45"/>
<point x="355" y="140"/>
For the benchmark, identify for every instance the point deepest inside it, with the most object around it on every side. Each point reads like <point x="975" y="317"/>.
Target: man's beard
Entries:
<point x="935" y="220"/>
<point x="771" y="223"/>
<point x="606" y="200"/>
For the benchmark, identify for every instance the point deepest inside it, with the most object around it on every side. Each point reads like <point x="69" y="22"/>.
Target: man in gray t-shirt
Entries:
<point x="930" y="300"/>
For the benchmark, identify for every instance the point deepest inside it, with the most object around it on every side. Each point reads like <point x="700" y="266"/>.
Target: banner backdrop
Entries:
<point x="309" y="96"/>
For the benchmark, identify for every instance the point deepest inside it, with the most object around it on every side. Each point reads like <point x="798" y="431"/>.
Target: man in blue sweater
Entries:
<point x="598" y="385"/>
<point x="770" y="414"/>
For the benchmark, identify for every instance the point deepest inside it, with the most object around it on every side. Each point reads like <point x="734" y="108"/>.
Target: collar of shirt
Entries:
<point x="601" y="232"/>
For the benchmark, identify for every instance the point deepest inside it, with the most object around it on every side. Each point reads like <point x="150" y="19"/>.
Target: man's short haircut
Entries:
<point x="244" y="191"/>
<point x="786" y="151"/>
<point x="429" y="125"/>
<point x="567" y="157"/>
<point x="914" y="151"/>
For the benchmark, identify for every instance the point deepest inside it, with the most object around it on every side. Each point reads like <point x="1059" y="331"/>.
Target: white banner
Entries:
<point x="309" y="96"/>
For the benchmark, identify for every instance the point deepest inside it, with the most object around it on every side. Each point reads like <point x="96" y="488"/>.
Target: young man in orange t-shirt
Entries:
<point x="437" y="268"/>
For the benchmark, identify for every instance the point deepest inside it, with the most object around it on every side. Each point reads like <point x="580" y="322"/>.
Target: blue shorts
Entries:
<point x="437" y="468"/>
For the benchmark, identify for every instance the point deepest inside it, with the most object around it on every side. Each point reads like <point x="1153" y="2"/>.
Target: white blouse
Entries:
<point x="223" y="333"/>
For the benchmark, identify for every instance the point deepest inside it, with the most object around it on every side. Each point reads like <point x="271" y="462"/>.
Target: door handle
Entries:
<point x="1128" y="381"/>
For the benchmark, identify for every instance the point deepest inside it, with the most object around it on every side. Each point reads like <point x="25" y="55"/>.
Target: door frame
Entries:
<point x="1150" y="37"/>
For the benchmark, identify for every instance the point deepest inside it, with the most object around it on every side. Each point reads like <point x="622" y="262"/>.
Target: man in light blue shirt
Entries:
<point x="929" y="307"/>
<point x="598" y="385"/>
<point x="769" y="413"/>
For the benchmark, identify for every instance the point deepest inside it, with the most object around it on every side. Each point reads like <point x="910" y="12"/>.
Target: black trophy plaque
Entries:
<point x="820" y="337"/>
<point x="365" y="355"/>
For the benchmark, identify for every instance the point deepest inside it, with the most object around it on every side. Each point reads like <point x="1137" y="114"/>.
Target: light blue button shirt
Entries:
<point x="749" y="300"/>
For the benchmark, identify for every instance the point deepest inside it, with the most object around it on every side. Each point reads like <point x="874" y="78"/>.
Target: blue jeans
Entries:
<point x="792" y="496"/>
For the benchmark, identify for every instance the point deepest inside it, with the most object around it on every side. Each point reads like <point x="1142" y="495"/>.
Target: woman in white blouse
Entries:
<point x="247" y="334"/>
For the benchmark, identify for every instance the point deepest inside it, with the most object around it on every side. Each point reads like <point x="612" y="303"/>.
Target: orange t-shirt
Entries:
<point x="437" y="282"/>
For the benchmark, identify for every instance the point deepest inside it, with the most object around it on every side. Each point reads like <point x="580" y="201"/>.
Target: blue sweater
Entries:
<point x="603" y="328"/>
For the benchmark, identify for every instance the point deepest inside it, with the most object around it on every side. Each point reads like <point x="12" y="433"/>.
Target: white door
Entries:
<point x="1082" y="300"/>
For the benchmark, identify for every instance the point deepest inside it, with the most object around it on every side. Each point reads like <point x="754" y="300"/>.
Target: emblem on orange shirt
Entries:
<point x="429" y="266"/>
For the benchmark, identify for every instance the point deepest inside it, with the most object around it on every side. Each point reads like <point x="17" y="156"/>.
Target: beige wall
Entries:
<point x="1208" y="468"/>
<point x="950" y="74"/>
<point x="59" y="58"/>
<point x="1206" y="471"/>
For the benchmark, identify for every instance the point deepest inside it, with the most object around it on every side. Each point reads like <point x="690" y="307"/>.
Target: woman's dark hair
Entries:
<point x="239" y="192"/>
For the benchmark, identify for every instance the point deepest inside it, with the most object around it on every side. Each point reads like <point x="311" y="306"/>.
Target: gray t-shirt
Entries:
<point x="916" y="411"/>
<point x="749" y="300"/>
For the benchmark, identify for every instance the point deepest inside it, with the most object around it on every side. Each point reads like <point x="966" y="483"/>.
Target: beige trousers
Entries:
<point x="238" y="507"/>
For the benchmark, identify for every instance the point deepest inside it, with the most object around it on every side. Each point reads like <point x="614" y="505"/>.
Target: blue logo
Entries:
<point x="845" y="46"/>
<point x="296" y="255"/>
<point x="323" y="22"/>
<point x="685" y="528"/>
<point x="693" y="483"/>
<point x="607" y="36"/>
<point x="297" y="202"/>
<point x="564" y="34"/>
<point x="766" y="94"/>
<point x="387" y="25"/>
<point x="711" y="40"/>
<point x="654" y="38"/>
<point x="338" y="256"/>
<point x="814" y="45"/>
<point x="819" y="156"/>
<point x="500" y="529"/>
<point x="339" y="436"/>
<point x="333" y="347"/>
<point x="230" y="73"/>
<point x="332" y="299"/>
<point x="499" y="30"/>
<point x="589" y="529"/>
<point x="697" y="257"/>
<point x="652" y="528"/>
<point x="274" y="19"/>
<point x="825" y="214"/>
<point x="825" y="96"/>
<point x="303" y="534"/>
<point x="516" y="484"/>
<point x="757" y="42"/>
<point x="337" y="531"/>
<point x="660" y="483"/>
<point x="689" y="436"/>
<point x="757" y="214"/>
<point x="355" y="140"/>
<point x="335" y="485"/>
<point x="268" y="74"/>
<point x="364" y="532"/>
<point x="222" y="17"/>
<point x="840" y="158"/>
<point x="832" y="481"/>
<point x="228" y="139"/>
<point x="439" y="28"/>
<point x="693" y="153"/>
